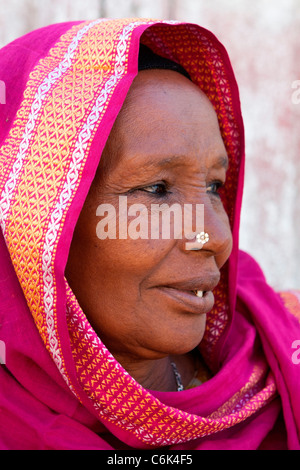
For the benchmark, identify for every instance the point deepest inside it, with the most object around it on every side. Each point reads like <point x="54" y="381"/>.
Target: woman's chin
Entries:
<point x="180" y="342"/>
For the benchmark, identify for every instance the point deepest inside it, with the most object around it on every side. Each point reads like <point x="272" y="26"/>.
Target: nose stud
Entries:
<point x="201" y="239"/>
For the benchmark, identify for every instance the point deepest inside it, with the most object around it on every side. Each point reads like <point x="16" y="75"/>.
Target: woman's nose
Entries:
<point x="212" y="234"/>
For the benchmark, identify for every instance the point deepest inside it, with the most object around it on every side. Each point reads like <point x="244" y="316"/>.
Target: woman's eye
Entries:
<point x="159" y="189"/>
<point x="214" y="188"/>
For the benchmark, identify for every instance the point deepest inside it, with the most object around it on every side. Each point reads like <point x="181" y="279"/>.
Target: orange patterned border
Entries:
<point x="291" y="300"/>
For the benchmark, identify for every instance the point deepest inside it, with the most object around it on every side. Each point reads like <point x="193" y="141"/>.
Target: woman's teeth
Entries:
<point x="199" y="293"/>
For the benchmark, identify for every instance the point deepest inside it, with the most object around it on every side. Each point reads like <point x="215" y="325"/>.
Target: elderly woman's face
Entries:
<point x="139" y="294"/>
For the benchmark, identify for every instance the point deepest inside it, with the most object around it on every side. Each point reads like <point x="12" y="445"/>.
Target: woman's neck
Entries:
<point x="153" y="374"/>
<point x="159" y="374"/>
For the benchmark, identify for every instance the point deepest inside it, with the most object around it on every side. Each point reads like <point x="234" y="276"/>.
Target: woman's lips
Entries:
<point x="189" y="301"/>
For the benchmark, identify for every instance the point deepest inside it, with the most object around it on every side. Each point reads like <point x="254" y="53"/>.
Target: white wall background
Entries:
<point x="263" y="40"/>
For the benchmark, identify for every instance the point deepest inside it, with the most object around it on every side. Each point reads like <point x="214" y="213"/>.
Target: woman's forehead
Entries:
<point x="161" y="97"/>
<point x="166" y="121"/>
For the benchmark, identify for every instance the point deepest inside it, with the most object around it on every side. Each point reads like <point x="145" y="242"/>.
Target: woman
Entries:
<point x="115" y="340"/>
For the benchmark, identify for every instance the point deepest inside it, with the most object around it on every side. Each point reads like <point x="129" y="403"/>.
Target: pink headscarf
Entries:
<point x="60" y="388"/>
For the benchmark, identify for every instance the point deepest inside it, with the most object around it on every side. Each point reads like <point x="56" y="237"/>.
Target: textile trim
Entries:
<point x="248" y="391"/>
<point x="41" y="180"/>
<point x="121" y="400"/>
<point x="291" y="300"/>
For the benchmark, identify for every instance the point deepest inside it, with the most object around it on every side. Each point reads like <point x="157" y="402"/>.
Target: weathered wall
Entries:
<point x="263" y="41"/>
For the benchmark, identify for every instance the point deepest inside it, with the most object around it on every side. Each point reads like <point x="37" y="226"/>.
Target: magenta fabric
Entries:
<point x="252" y="400"/>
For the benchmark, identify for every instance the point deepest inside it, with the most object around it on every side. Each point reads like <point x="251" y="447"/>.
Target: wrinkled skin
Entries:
<point x="165" y="147"/>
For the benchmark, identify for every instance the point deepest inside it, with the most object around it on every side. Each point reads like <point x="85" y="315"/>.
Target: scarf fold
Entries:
<point x="60" y="386"/>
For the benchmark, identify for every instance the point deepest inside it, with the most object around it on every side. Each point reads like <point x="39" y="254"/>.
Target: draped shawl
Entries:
<point x="60" y="388"/>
